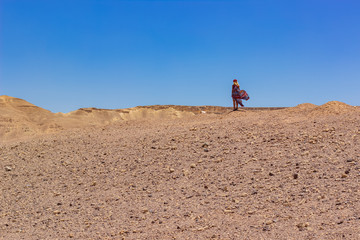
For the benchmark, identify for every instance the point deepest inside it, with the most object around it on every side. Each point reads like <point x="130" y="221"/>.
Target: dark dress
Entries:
<point x="235" y="94"/>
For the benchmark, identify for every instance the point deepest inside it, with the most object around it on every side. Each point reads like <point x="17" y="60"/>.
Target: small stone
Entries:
<point x="8" y="168"/>
<point x="295" y="176"/>
<point x="302" y="226"/>
<point x="206" y="150"/>
<point x="171" y="170"/>
<point x="145" y="210"/>
<point x="347" y="171"/>
<point x="344" y="176"/>
<point x="269" y="222"/>
<point x="56" y="212"/>
<point x="193" y="165"/>
<point x="271" y="174"/>
<point x="243" y="194"/>
<point x="266" y="228"/>
<point x="185" y="172"/>
<point x="205" y="145"/>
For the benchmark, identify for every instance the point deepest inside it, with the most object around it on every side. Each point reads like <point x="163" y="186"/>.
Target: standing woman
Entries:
<point x="235" y="94"/>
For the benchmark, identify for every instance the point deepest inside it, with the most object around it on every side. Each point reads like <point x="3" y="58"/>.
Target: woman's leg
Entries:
<point x="234" y="103"/>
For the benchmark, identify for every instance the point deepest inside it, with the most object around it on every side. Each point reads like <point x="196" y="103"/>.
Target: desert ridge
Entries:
<point x="329" y="108"/>
<point x="20" y="119"/>
<point x="173" y="172"/>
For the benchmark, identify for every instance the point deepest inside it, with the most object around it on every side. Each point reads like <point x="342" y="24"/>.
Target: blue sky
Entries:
<point x="65" y="54"/>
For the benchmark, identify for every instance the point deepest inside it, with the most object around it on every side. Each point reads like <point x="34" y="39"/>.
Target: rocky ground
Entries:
<point x="281" y="174"/>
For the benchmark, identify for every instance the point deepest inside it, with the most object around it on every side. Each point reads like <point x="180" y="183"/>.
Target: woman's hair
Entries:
<point x="237" y="84"/>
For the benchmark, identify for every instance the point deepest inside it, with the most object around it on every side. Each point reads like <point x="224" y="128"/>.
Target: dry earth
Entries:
<point x="283" y="174"/>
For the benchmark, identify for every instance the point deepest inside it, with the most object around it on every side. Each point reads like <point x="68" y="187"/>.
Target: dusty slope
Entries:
<point x="20" y="119"/>
<point x="243" y="175"/>
<point x="333" y="107"/>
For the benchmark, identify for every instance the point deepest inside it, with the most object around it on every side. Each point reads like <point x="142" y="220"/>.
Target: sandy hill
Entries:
<point x="240" y="175"/>
<point x="11" y="106"/>
<point x="329" y="108"/>
<point x="302" y="107"/>
<point x="21" y="119"/>
<point x="333" y="107"/>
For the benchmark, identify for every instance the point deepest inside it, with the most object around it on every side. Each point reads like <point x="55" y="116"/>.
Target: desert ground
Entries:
<point x="179" y="172"/>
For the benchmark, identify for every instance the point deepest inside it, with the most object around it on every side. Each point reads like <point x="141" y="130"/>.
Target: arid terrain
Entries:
<point x="177" y="172"/>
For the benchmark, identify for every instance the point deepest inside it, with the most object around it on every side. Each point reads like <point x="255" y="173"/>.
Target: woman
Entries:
<point x="237" y="95"/>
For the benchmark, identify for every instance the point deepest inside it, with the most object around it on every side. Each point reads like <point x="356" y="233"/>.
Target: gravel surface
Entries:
<point x="283" y="174"/>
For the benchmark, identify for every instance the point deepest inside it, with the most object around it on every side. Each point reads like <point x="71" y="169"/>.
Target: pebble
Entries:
<point x="205" y="145"/>
<point x="8" y="168"/>
<point x="266" y="228"/>
<point x="145" y="210"/>
<point x="269" y="222"/>
<point x="302" y="226"/>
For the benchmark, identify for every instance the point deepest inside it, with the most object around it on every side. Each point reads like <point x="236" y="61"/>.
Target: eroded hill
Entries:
<point x="243" y="175"/>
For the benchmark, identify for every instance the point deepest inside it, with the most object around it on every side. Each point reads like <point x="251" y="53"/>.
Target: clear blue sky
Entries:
<point x="65" y="54"/>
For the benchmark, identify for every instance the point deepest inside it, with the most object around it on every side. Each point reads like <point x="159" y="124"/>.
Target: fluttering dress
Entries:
<point x="238" y="95"/>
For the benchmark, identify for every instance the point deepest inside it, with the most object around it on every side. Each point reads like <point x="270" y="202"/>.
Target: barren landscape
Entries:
<point x="179" y="172"/>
